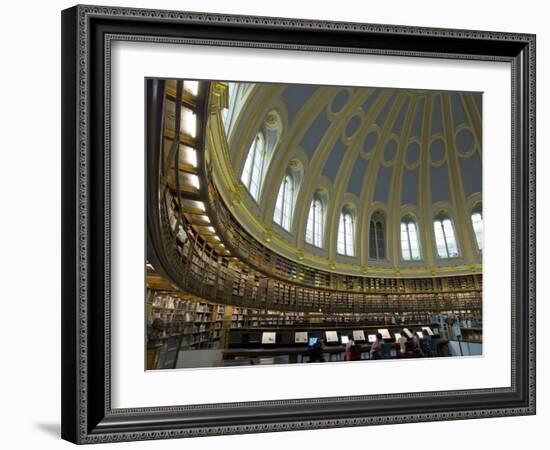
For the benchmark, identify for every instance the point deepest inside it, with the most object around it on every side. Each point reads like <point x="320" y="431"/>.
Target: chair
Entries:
<point x="385" y="350"/>
<point x="433" y="347"/>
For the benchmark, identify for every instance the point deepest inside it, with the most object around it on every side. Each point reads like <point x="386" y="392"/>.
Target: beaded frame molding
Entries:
<point x="87" y="35"/>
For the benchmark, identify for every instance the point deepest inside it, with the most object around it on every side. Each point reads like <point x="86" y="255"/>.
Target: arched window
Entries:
<point x="285" y="203"/>
<point x="237" y="94"/>
<point x="254" y="166"/>
<point x="410" y="249"/>
<point x="445" y="237"/>
<point x="259" y="156"/>
<point x="477" y="223"/>
<point x="346" y="242"/>
<point x="377" y="241"/>
<point x="227" y="113"/>
<point x="316" y="222"/>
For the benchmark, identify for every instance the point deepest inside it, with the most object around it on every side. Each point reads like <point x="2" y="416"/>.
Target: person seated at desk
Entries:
<point x="348" y="351"/>
<point x="316" y="352"/>
<point x="402" y="341"/>
<point x="425" y="343"/>
<point x="376" y="347"/>
<point x="416" y="349"/>
<point x="356" y="352"/>
<point x="155" y="330"/>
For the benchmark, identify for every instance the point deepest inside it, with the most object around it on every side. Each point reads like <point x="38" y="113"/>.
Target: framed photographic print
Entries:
<point x="282" y="224"/>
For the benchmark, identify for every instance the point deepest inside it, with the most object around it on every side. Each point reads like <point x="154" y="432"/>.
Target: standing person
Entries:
<point x="316" y="354"/>
<point x="425" y="344"/>
<point x="349" y="346"/>
<point x="416" y="350"/>
<point x="376" y="347"/>
<point x="355" y="352"/>
<point x="402" y="345"/>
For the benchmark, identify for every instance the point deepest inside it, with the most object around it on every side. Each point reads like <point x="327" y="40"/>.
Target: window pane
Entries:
<point x="253" y="171"/>
<point x="450" y="237"/>
<point x="477" y="223"/>
<point x="380" y="244"/>
<point x="247" y="171"/>
<point x="413" y="240"/>
<point x="227" y="113"/>
<point x="348" y="219"/>
<point x="309" y="228"/>
<point x="257" y="171"/>
<point x="440" y="240"/>
<point x="254" y="187"/>
<point x="318" y="223"/>
<point x="342" y="236"/>
<point x="287" y="202"/>
<point x="189" y="122"/>
<point x="278" y="214"/>
<point x="405" y="248"/>
<point x="372" y="241"/>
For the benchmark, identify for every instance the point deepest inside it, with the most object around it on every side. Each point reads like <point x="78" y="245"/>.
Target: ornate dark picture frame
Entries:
<point x="87" y="35"/>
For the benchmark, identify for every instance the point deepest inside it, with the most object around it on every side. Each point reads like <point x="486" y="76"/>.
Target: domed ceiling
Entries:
<point x="381" y="152"/>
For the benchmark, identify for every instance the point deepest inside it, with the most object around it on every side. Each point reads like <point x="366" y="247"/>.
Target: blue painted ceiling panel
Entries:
<point x="357" y="176"/>
<point x="409" y="192"/>
<point x="382" y="187"/>
<point x="381" y="117"/>
<point x="295" y="96"/>
<point x="439" y="183"/>
<point x="459" y="116"/>
<point x="471" y="174"/>
<point x="314" y="134"/>
<point x="370" y="100"/>
<point x="418" y="114"/>
<point x="398" y="124"/>
<point x="436" y="115"/>
<point x="334" y="160"/>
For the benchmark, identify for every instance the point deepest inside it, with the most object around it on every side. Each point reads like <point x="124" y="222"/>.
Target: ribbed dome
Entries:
<point x="389" y="155"/>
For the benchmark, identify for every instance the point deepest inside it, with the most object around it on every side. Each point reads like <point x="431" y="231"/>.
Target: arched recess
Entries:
<point x="324" y="188"/>
<point x="238" y="95"/>
<point x="316" y="233"/>
<point x="377" y="236"/>
<point x="445" y="236"/>
<point x="476" y="216"/>
<point x="261" y="150"/>
<point x="251" y="119"/>
<point x="346" y="242"/>
<point x="280" y="165"/>
<point x="410" y="243"/>
<point x="289" y="187"/>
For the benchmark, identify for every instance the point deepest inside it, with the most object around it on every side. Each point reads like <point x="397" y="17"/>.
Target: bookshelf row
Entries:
<point x="213" y="267"/>
<point x="206" y="325"/>
<point x="202" y="323"/>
